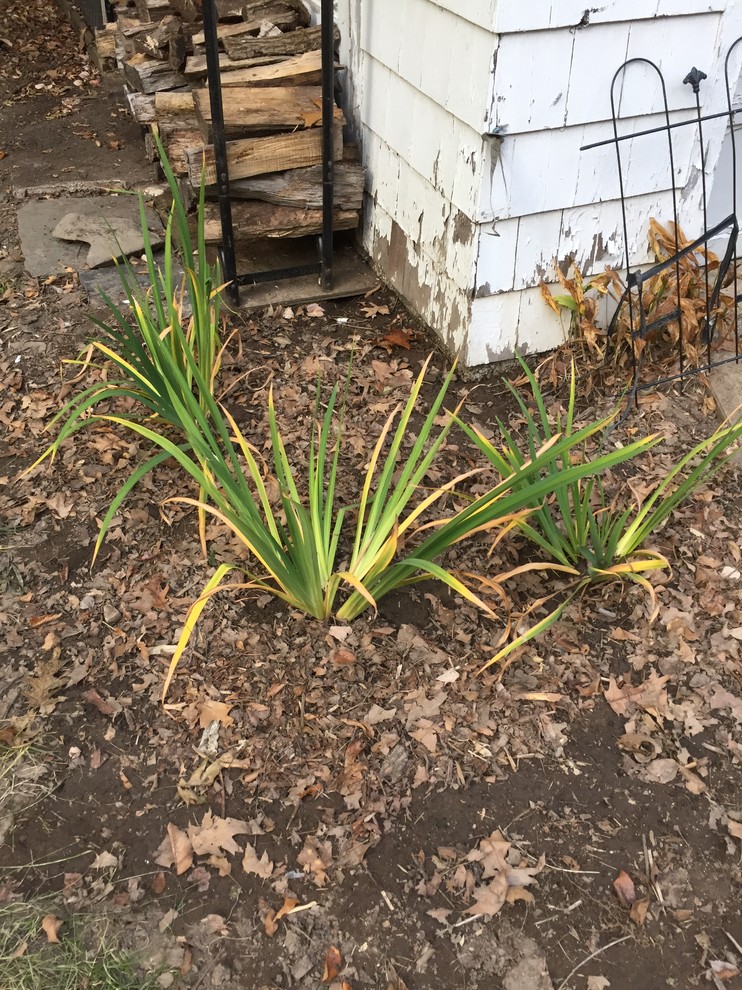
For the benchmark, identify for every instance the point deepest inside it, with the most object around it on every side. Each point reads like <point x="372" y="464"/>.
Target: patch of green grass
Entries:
<point x="86" y="957"/>
<point x="8" y="283"/>
<point x="26" y="777"/>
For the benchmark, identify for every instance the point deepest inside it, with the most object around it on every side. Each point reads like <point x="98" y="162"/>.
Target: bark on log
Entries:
<point x="229" y="10"/>
<point x="256" y="156"/>
<point x="142" y="107"/>
<point x="301" y="188"/>
<point x="147" y="75"/>
<point x="155" y="42"/>
<point x="105" y="43"/>
<point x="260" y="9"/>
<point x="152" y="10"/>
<point x="293" y="43"/>
<point x="255" y="220"/>
<point x="286" y="21"/>
<point x="268" y="109"/>
<point x="177" y="51"/>
<point x="128" y="29"/>
<point x="187" y="9"/>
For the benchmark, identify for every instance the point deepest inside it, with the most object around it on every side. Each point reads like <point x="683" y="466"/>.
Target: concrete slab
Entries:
<point x="351" y="277"/>
<point x="725" y="382"/>
<point x="107" y="280"/>
<point x="45" y="254"/>
<point x="110" y="237"/>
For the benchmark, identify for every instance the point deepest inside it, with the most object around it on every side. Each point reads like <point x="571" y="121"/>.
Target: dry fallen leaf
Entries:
<point x="333" y="962"/>
<point x="214" y="711"/>
<point x="262" y="867"/>
<point x="104" y="706"/>
<point x="661" y="771"/>
<point x="507" y="881"/>
<point x="50" y="925"/>
<point x="342" y="656"/>
<point x="40" y="688"/>
<point x="372" y="310"/>
<point x="215" y="835"/>
<point x="316" y="858"/>
<point x="650" y="695"/>
<point x="104" y="861"/>
<point x="60" y="505"/>
<point x="157" y="883"/>
<point x="638" y="912"/>
<point x="175" y="850"/>
<point x="625" y="889"/>
<point x="289" y="903"/>
<point x="723" y="970"/>
<point x="268" y="917"/>
<point x="396" y="337"/>
<point x="489" y="899"/>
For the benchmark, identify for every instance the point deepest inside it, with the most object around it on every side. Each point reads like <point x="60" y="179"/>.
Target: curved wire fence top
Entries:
<point x="638" y="274"/>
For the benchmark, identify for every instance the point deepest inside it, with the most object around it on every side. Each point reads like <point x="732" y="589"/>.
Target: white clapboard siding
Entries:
<point x="552" y="79"/>
<point x="519" y="16"/>
<point x="470" y="115"/>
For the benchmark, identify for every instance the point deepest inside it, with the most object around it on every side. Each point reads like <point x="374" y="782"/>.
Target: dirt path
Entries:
<point x="365" y="783"/>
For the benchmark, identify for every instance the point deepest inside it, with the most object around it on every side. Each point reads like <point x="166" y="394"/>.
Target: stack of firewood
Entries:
<point x="272" y="97"/>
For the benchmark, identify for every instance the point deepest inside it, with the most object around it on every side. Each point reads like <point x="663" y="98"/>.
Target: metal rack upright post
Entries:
<point x="322" y="267"/>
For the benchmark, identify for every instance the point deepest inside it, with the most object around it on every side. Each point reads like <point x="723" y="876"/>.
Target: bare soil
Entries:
<point x="367" y="767"/>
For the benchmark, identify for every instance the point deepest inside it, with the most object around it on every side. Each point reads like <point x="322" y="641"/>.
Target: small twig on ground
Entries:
<point x="603" y="948"/>
<point x="467" y="921"/>
<point x="567" y="910"/>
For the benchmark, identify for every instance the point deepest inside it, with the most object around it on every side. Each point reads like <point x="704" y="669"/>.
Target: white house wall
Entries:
<point x="470" y="115"/>
<point x="417" y="98"/>
<point x="545" y="201"/>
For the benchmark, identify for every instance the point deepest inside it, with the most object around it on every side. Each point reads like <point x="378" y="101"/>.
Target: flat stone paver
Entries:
<point x="46" y="254"/>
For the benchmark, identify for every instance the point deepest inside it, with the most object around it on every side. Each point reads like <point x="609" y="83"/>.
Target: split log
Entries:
<point x="256" y="156"/>
<point x="195" y="67"/>
<point x="105" y="43"/>
<point x="255" y="220"/>
<point x="285" y="21"/>
<point x="142" y="107"/>
<point x="128" y="31"/>
<point x="177" y="143"/>
<point x="177" y="51"/>
<point x="147" y="75"/>
<point x="261" y="9"/>
<point x="293" y="43"/>
<point x="300" y="70"/>
<point x="250" y="110"/>
<point x="187" y="9"/>
<point x="176" y="109"/>
<point x="229" y="10"/>
<point x="152" y="10"/>
<point x="301" y="188"/>
<point x="250" y="10"/>
<point x="156" y="41"/>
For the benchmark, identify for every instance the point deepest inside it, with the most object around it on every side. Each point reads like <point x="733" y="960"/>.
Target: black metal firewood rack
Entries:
<point x="637" y="275"/>
<point x="227" y="257"/>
